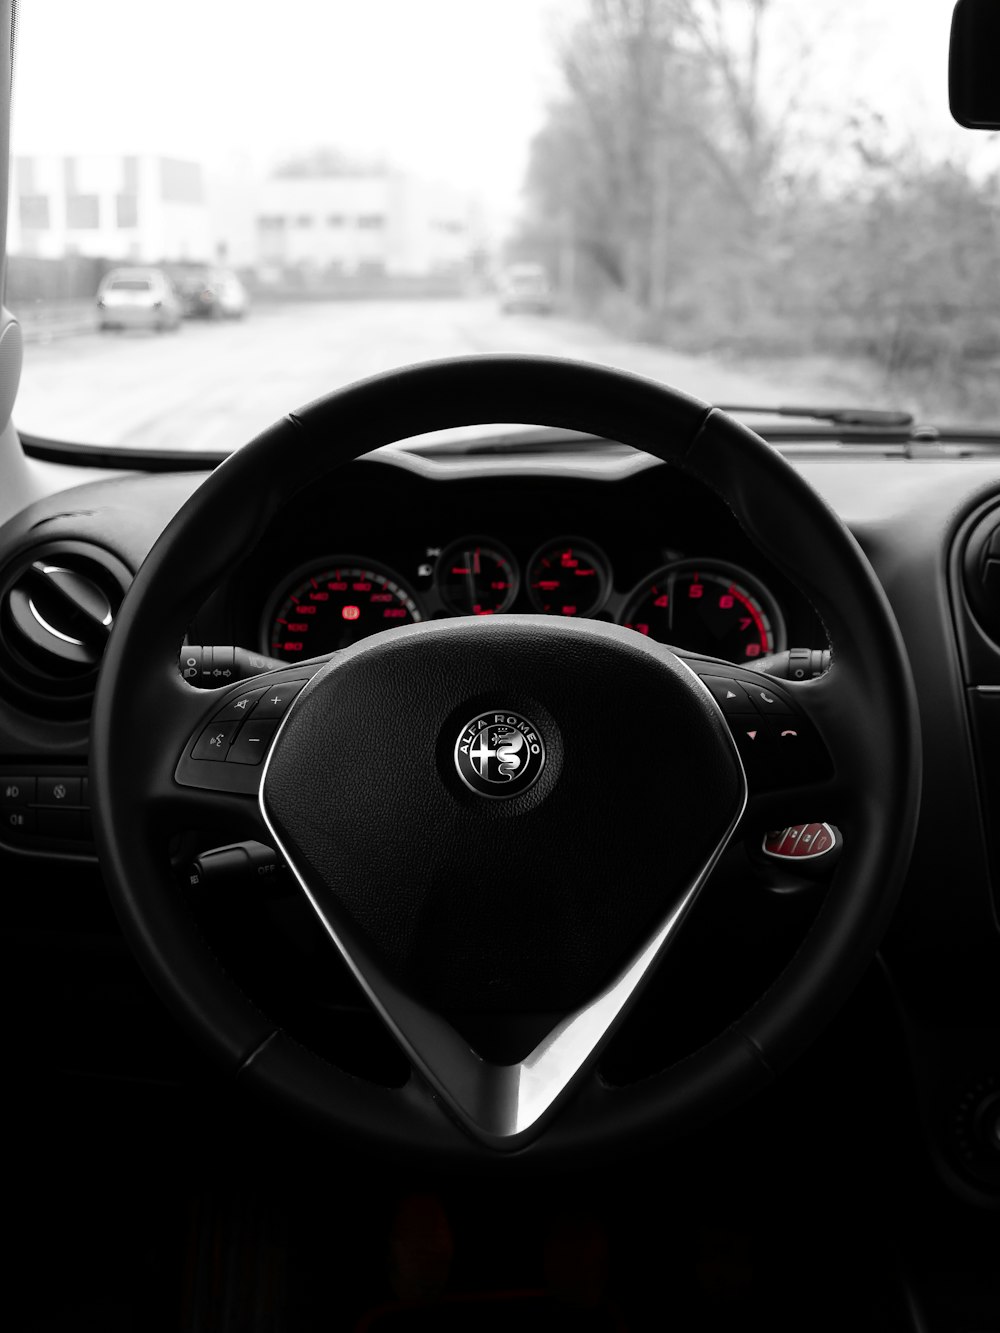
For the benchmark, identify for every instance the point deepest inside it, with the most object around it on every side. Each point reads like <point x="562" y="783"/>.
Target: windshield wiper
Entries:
<point x="841" y="416"/>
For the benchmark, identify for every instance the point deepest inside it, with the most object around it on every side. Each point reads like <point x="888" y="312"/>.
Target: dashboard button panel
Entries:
<point x="45" y="810"/>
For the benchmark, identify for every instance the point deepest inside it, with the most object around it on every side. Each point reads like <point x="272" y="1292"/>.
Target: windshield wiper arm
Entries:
<point x="842" y="416"/>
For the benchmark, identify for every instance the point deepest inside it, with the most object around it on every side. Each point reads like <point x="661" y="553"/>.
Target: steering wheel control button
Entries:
<point x="239" y="708"/>
<point x="215" y="740"/>
<point x="801" y="842"/>
<point x="756" y="744"/>
<point x="816" y="840"/>
<point x="728" y="693"/>
<point x="251" y="745"/>
<point x="499" y="754"/>
<point x="275" y="701"/>
<point x="767" y="699"/>
<point x="782" y="841"/>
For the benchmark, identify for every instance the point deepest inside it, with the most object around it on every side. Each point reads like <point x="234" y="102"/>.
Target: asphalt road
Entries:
<point x="217" y="385"/>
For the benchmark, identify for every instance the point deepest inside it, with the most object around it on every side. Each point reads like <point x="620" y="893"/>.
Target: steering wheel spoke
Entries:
<point x="503" y="1106"/>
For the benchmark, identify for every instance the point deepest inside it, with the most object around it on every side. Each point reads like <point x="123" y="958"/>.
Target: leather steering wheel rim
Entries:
<point x="865" y="708"/>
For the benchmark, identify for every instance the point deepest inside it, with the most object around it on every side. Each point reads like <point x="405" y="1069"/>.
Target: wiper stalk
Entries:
<point x="841" y="416"/>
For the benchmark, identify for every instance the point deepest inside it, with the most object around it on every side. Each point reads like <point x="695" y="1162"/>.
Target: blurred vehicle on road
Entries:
<point x="137" y="298"/>
<point x="525" y="287"/>
<point x="211" y="293"/>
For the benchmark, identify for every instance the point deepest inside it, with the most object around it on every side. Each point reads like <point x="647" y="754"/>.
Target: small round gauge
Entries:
<point x="477" y="577"/>
<point x="333" y="605"/>
<point x="568" y="578"/>
<point x="707" y="607"/>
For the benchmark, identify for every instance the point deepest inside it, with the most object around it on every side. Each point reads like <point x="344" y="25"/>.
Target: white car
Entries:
<point x="137" y="298"/>
<point x="525" y="287"/>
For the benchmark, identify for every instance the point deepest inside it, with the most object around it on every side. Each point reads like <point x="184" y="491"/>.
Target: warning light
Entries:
<point x="350" y="612"/>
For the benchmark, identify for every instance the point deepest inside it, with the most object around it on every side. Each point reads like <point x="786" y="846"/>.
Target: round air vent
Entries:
<point x="57" y="607"/>
<point x="982" y="573"/>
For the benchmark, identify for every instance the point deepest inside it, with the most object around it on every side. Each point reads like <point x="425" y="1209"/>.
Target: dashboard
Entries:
<point x="704" y="605"/>
<point x="667" y="561"/>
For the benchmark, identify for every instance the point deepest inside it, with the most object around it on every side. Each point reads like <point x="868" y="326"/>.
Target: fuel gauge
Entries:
<point x="477" y="577"/>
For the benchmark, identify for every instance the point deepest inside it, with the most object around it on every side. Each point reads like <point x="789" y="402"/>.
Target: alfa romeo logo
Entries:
<point x="499" y="753"/>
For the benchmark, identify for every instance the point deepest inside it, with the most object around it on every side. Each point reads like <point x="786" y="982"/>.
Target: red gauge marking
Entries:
<point x="334" y="607"/>
<point x="754" y="613"/>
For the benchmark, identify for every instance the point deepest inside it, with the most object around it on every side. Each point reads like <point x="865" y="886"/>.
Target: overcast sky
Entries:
<point x="452" y="89"/>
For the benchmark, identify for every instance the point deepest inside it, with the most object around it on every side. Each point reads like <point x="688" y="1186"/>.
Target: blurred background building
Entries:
<point x="316" y="226"/>
<point x="122" y="208"/>
<point x="320" y="229"/>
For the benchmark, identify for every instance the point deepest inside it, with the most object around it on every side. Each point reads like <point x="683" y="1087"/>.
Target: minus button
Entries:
<point x="251" y="743"/>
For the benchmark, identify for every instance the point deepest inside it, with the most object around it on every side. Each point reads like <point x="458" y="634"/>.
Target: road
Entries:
<point x="216" y="385"/>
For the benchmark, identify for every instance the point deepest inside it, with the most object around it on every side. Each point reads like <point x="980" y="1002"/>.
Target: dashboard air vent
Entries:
<point x="57" y="607"/>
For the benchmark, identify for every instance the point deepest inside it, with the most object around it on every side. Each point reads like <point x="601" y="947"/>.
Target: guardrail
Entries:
<point x="44" y="321"/>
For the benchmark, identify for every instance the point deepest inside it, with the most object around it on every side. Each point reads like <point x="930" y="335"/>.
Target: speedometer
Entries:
<point x="332" y="606"/>
<point x="707" y="607"/>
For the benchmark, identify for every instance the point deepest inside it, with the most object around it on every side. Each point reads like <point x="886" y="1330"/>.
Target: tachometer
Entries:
<point x="334" y="605"/>
<point x="568" y="578"/>
<point x="707" y="607"/>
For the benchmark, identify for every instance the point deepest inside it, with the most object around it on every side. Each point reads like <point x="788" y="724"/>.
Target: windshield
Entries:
<point x="757" y="201"/>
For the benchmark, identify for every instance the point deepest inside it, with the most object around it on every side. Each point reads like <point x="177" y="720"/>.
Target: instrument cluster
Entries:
<point x="705" y="605"/>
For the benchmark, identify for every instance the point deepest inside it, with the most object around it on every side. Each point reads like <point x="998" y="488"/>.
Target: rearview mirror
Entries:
<point x="974" y="64"/>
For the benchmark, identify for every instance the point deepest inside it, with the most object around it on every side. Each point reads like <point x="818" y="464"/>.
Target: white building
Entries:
<point x="135" y="208"/>
<point x="386" y="224"/>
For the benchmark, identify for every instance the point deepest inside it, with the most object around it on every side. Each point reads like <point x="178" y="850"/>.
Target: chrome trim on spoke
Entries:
<point x="503" y="1106"/>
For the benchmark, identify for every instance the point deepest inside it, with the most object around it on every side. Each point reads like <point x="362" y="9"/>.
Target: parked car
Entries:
<point x="211" y="293"/>
<point x="137" y="298"/>
<point x="525" y="287"/>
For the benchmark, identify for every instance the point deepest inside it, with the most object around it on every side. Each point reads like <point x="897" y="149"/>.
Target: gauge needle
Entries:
<point x="471" y="570"/>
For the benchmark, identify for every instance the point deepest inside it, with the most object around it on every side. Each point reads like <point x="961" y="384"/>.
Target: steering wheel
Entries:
<point x="552" y="794"/>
